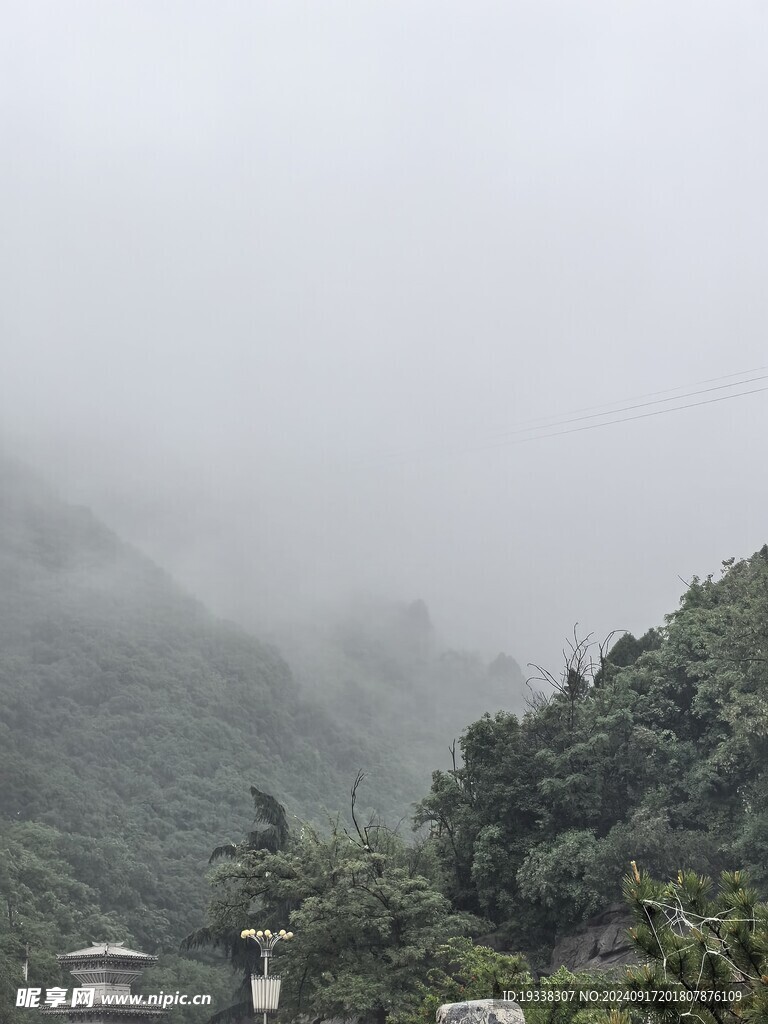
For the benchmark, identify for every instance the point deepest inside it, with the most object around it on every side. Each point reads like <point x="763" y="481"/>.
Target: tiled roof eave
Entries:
<point x="107" y="958"/>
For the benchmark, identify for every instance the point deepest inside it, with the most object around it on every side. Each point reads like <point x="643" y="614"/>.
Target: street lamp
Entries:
<point x="265" y="988"/>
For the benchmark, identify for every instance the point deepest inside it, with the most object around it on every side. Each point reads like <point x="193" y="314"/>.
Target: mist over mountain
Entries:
<point x="133" y="721"/>
<point x="358" y="358"/>
<point x="382" y="665"/>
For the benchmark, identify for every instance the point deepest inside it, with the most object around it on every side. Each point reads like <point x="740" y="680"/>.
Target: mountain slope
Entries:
<point x="381" y="667"/>
<point x="132" y="721"/>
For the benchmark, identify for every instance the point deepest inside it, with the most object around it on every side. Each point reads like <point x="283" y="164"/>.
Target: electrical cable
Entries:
<point x="590" y="426"/>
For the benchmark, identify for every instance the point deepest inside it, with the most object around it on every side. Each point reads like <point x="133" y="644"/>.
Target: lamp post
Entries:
<point x="265" y="989"/>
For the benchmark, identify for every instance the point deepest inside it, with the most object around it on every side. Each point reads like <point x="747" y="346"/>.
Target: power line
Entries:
<point x="627" y="419"/>
<point x="589" y="426"/>
<point x="641" y="405"/>
<point x="399" y="456"/>
<point x="635" y="398"/>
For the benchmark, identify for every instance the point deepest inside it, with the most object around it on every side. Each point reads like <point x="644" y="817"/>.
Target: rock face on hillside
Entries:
<point x="481" y="1011"/>
<point x="601" y="942"/>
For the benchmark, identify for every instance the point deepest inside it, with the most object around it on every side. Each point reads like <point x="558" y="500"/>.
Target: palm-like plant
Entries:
<point x="270" y="833"/>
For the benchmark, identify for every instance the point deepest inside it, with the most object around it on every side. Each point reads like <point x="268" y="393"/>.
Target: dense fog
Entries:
<point x="286" y="285"/>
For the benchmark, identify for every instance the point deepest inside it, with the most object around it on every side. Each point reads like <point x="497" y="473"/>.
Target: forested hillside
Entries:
<point x="645" y="760"/>
<point x="655" y="752"/>
<point x="132" y="725"/>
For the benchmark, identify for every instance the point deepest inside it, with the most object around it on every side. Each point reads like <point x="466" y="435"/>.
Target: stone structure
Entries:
<point x="109" y="969"/>
<point x="481" y="1011"/>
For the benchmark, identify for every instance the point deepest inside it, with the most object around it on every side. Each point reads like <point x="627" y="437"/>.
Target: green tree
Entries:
<point x="44" y="909"/>
<point x="464" y="970"/>
<point x="701" y="946"/>
<point x="367" y="922"/>
<point x="656" y="748"/>
<point x="270" y="834"/>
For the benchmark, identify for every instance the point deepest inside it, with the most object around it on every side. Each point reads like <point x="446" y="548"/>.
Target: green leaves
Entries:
<point x="562" y="877"/>
<point x="663" y="759"/>
<point x="463" y="970"/>
<point x="701" y="946"/>
<point x="367" y="925"/>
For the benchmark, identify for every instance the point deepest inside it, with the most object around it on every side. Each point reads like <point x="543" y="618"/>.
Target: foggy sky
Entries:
<point x="277" y="278"/>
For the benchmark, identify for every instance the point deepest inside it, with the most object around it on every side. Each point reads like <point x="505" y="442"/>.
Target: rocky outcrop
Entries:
<point x="600" y="943"/>
<point x="481" y="1011"/>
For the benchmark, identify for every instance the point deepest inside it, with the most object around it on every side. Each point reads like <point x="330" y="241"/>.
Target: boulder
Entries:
<point x="602" y="942"/>
<point x="481" y="1011"/>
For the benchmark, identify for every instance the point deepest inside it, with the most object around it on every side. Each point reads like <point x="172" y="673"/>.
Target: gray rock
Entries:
<point x="497" y="941"/>
<point x="602" y="942"/>
<point x="481" y="1011"/>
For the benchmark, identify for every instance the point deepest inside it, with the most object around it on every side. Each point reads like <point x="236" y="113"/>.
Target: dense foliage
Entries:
<point x="133" y="723"/>
<point x="708" y="950"/>
<point x="370" y="921"/>
<point x="376" y="940"/>
<point x="374" y="936"/>
<point x="656" y="751"/>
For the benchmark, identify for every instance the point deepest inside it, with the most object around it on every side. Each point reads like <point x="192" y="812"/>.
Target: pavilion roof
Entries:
<point x="100" y="950"/>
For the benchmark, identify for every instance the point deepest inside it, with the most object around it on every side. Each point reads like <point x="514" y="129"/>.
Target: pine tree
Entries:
<point x="707" y="949"/>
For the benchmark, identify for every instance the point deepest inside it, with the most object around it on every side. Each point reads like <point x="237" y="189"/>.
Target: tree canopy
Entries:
<point x="654" y="750"/>
<point x="368" y="919"/>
